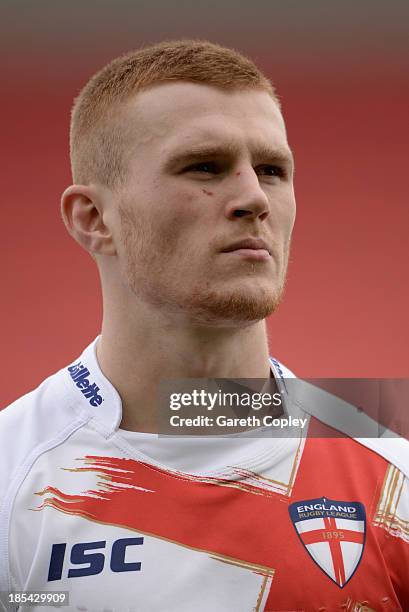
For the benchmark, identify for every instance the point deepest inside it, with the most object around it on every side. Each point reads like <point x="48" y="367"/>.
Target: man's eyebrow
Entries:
<point x="282" y="155"/>
<point x="204" y="152"/>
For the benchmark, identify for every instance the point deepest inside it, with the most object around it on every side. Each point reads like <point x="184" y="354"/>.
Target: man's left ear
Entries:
<point x="84" y="217"/>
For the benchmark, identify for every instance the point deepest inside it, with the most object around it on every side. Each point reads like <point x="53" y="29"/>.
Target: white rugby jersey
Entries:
<point x="131" y="522"/>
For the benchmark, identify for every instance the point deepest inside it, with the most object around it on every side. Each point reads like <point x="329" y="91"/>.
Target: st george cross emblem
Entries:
<point x="333" y="532"/>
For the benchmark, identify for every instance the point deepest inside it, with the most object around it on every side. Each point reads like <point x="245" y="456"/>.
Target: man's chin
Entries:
<point x="234" y="308"/>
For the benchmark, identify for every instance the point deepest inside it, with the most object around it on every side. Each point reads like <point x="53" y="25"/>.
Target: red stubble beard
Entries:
<point x="204" y="304"/>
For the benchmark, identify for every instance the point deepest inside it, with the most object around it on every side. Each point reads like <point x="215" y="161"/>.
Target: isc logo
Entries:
<point x="83" y="554"/>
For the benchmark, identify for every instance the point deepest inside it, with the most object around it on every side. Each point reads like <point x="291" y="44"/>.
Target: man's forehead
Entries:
<point x="183" y="116"/>
<point x="187" y="93"/>
<point x="191" y="109"/>
<point x="215" y="135"/>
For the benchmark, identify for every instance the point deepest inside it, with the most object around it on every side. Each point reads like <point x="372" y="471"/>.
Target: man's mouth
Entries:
<point x="255" y="249"/>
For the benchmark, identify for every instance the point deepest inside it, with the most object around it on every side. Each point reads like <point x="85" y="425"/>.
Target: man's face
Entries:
<point x="208" y="170"/>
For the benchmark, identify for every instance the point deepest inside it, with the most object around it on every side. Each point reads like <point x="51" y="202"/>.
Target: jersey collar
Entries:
<point x="95" y="394"/>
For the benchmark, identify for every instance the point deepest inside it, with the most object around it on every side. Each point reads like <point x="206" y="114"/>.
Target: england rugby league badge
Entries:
<point x="333" y="533"/>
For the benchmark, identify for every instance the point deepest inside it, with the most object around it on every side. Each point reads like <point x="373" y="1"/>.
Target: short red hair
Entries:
<point x="98" y="138"/>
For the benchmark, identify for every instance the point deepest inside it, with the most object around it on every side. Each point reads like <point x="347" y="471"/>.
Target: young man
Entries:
<point x="183" y="195"/>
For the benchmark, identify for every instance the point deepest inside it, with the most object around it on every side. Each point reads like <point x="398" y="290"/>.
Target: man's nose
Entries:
<point x="245" y="197"/>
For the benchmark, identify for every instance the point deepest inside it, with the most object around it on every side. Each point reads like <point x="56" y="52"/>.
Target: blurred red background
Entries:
<point x="341" y="73"/>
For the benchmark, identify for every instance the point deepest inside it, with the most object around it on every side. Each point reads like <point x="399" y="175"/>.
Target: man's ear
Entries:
<point x="82" y="211"/>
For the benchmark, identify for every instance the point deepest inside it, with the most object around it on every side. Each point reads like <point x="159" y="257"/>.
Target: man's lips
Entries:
<point x="251" y="248"/>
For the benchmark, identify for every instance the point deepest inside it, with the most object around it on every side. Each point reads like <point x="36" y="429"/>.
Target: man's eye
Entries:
<point x="271" y="171"/>
<point x="208" y="167"/>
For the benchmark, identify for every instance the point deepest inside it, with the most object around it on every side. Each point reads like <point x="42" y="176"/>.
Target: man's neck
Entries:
<point x="136" y="356"/>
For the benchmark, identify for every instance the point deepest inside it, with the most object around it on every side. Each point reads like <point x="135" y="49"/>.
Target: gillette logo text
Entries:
<point x="80" y="375"/>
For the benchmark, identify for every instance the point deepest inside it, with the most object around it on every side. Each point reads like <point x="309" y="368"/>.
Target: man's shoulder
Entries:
<point x="31" y="423"/>
<point x="51" y="392"/>
<point x="340" y="417"/>
<point x="366" y="434"/>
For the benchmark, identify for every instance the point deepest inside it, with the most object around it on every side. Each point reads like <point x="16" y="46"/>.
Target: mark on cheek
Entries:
<point x="238" y="173"/>
<point x="209" y="193"/>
